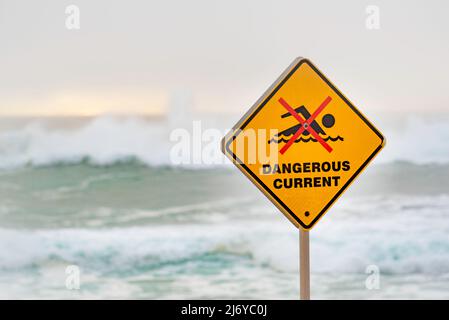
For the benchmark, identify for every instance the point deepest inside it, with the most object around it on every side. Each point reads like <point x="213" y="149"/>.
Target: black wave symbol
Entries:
<point x="301" y="139"/>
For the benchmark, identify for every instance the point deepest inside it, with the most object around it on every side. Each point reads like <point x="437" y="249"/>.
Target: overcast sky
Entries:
<point x="131" y="56"/>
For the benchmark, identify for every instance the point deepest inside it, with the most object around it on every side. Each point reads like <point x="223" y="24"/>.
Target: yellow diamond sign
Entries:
<point x="303" y="143"/>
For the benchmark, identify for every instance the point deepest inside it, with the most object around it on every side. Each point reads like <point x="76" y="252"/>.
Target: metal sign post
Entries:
<point x="304" y="265"/>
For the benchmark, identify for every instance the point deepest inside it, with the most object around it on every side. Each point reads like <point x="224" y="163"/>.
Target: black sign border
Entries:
<point x="239" y="127"/>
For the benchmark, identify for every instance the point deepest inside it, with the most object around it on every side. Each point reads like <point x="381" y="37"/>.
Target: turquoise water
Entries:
<point x="162" y="232"/>
<point x="103" y="195"/>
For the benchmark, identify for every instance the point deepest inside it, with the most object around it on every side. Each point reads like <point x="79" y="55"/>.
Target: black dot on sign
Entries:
<point x="328" y="120"/>
<point x="307" y="213"/>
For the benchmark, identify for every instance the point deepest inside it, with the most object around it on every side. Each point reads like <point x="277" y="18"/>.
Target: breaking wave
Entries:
<point x="101" y="141"/>
<point x="108" y="140"/>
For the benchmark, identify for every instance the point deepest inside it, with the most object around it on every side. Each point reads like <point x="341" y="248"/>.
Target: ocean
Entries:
<point x="103" y="195"/>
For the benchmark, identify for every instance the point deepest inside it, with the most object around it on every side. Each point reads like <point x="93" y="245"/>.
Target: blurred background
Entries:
<point x="112" y="184"/>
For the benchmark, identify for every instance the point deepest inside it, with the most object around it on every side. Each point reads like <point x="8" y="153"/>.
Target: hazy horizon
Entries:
<point x="134" y="57"/>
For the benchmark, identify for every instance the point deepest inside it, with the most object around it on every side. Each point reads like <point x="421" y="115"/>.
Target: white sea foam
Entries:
<point x="418" y="141"/>
<point x="122" y="250"/>
<point x="107" y="140"/>
<point x="405" y="236"/>
<point x="102" y="141"/>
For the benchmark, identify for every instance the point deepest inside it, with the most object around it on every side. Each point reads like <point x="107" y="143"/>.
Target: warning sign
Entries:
<point x="303" y="143"/>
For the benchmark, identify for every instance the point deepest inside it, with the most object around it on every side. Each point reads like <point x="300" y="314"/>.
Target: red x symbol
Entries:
<point x="305" y="124"/>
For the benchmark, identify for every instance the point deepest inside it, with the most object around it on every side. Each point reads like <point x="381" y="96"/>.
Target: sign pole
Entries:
<point x="325" y="119"/>
<point x="304" y="265"/>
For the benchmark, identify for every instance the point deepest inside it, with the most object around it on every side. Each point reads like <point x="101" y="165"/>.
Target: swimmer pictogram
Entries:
<point x="305" y="127"/>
